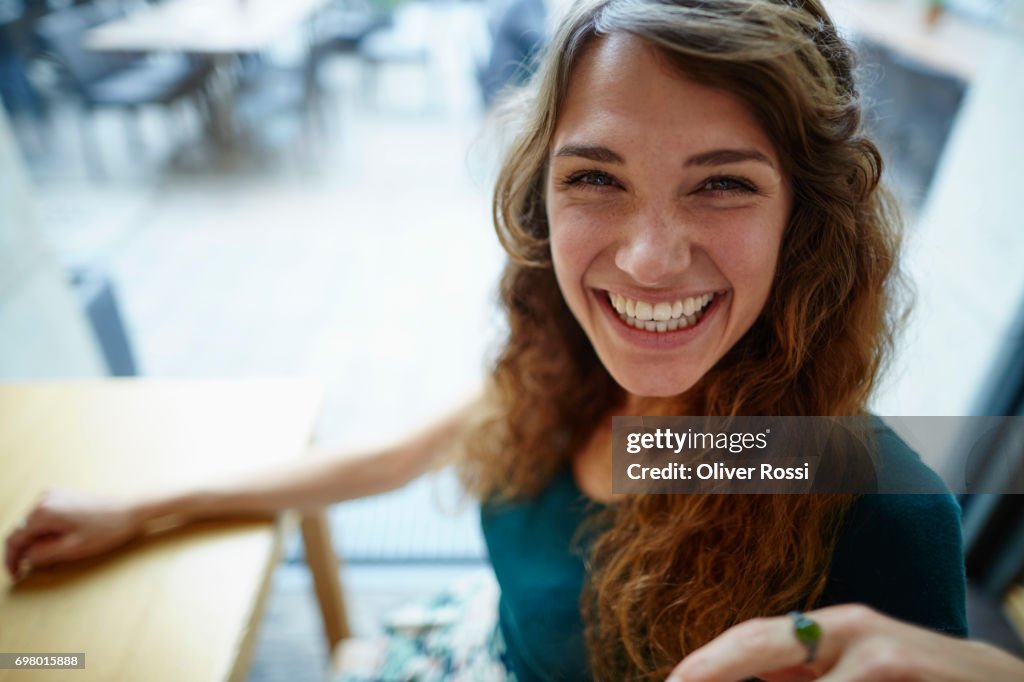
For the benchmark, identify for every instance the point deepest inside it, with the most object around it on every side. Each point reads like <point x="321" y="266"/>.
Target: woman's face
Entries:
<point x="666" y="205"/>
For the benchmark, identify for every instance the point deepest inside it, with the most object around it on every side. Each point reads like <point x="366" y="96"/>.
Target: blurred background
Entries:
<point x="196" y="188"/>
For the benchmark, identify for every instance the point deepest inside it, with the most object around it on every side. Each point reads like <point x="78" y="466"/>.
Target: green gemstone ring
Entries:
<point x="807" y="632"/>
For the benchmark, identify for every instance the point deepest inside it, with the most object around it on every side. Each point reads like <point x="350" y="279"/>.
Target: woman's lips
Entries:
<point x="659" y="332"/>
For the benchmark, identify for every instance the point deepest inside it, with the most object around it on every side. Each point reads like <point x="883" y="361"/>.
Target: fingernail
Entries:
<point x="24" y="568"/>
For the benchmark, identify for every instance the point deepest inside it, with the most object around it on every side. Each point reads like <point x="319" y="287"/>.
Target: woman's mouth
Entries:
<point x="664" y="316"/>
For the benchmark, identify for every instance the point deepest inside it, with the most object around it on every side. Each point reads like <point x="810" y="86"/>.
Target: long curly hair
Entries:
<point x="667" y="573"/>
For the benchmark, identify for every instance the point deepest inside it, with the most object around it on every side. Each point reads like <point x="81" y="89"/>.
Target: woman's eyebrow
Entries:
<point x="715" y="157"/>
<point x="720" y="157"/>
<point x="594" y="152"/>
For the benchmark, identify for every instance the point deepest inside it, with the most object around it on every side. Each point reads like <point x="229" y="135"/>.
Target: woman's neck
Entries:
<point x="639" y="406"/>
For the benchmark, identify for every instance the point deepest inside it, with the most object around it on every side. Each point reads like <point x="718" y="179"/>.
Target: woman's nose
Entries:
<point x="654" y="250"/>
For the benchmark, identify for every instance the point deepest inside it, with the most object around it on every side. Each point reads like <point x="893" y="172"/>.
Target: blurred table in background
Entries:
<point x="219" y="30"/>
<point x="181" y="605"/>
<point x="211" y="27"/>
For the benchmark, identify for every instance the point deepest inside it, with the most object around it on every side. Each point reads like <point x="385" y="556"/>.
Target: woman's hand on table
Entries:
<point x="855" y="644"/>
<point x="66" y="525"/>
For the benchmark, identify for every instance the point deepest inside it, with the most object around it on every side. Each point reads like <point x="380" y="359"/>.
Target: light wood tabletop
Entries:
<point x="181" y="605"/>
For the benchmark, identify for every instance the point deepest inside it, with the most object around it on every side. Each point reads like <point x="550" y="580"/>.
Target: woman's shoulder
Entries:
<point x="899" y="469"/>
<point x="912" y="516"/>
<point x="903" y="553"/>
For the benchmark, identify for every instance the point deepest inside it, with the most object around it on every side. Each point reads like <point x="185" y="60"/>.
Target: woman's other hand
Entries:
<point x="66" y="525"/>
<point x="856" y="644"/>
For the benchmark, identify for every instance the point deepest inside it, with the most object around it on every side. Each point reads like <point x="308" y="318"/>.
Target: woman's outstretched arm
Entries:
<point x="67" y="525"/>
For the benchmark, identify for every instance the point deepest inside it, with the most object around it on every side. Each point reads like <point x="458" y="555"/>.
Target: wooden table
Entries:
<point x="182" y="605"/>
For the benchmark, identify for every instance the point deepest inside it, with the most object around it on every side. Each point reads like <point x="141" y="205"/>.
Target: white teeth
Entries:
<point x="662" y="316"/>
<point x="662" y="311"/>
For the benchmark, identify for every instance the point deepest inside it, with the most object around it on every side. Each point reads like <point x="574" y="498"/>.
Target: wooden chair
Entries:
<point x="346" y="652"/>
<point x="324" y="566"/>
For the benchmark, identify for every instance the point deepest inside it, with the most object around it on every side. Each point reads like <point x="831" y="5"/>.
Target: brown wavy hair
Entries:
<point x="667" y="573"/>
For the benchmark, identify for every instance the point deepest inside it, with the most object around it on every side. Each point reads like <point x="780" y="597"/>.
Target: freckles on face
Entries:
<point x="666" y="204"/>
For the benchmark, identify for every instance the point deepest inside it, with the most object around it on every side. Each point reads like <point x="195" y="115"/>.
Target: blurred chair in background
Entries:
<point x="271" y="95"/>
<point x="343" y="25"/>
<point x="404" y="40"/>
<point x="121" y="80"/>
<point x="18" y="94"/>
<point x="271" y="88"/>
<point x="517" y="30"/>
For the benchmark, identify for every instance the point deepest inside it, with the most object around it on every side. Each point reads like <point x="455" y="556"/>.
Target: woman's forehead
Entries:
<point x="625" y="90"/>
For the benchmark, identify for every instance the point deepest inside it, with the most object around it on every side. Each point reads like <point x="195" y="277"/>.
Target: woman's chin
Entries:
<point x="655" y="387"/>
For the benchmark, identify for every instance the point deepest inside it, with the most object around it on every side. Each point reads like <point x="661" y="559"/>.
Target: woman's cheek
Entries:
<point x="746" y="249"/>
<point x="578" y="232"/>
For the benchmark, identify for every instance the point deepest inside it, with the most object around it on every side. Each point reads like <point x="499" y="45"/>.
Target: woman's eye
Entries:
<point x="591" y="178"/>
<point x="727" y="185"/>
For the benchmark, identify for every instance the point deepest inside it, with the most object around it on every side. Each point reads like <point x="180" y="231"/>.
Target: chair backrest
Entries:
<point x="62" y="33"/>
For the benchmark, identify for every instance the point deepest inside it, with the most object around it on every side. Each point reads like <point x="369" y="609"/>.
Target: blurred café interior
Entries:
<point x="230" y="189"/>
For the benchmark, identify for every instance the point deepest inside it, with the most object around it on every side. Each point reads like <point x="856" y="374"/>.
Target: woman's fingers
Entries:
<point x="49" y="550"/>
<point x="872" y="659"/>
<point x="63" y="525"/>
<point x="746" y="650"/>
<point x="40" y="521"/>
<point x="769" y="648"/>
<point x="913" y="654"/>
<point x="20" y="541"/>
<point x="13" y="547"/>
<point x="796" y="673"/>
<point x="28" y="549"/>
<point x="856" y="644"/>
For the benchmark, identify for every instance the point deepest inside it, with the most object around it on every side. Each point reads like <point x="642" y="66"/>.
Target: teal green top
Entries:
<point x="901" y="554"/>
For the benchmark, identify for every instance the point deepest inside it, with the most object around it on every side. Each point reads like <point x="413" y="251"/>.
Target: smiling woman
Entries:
<point x="695" y="226"/>
<point x="664" y="197"/>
